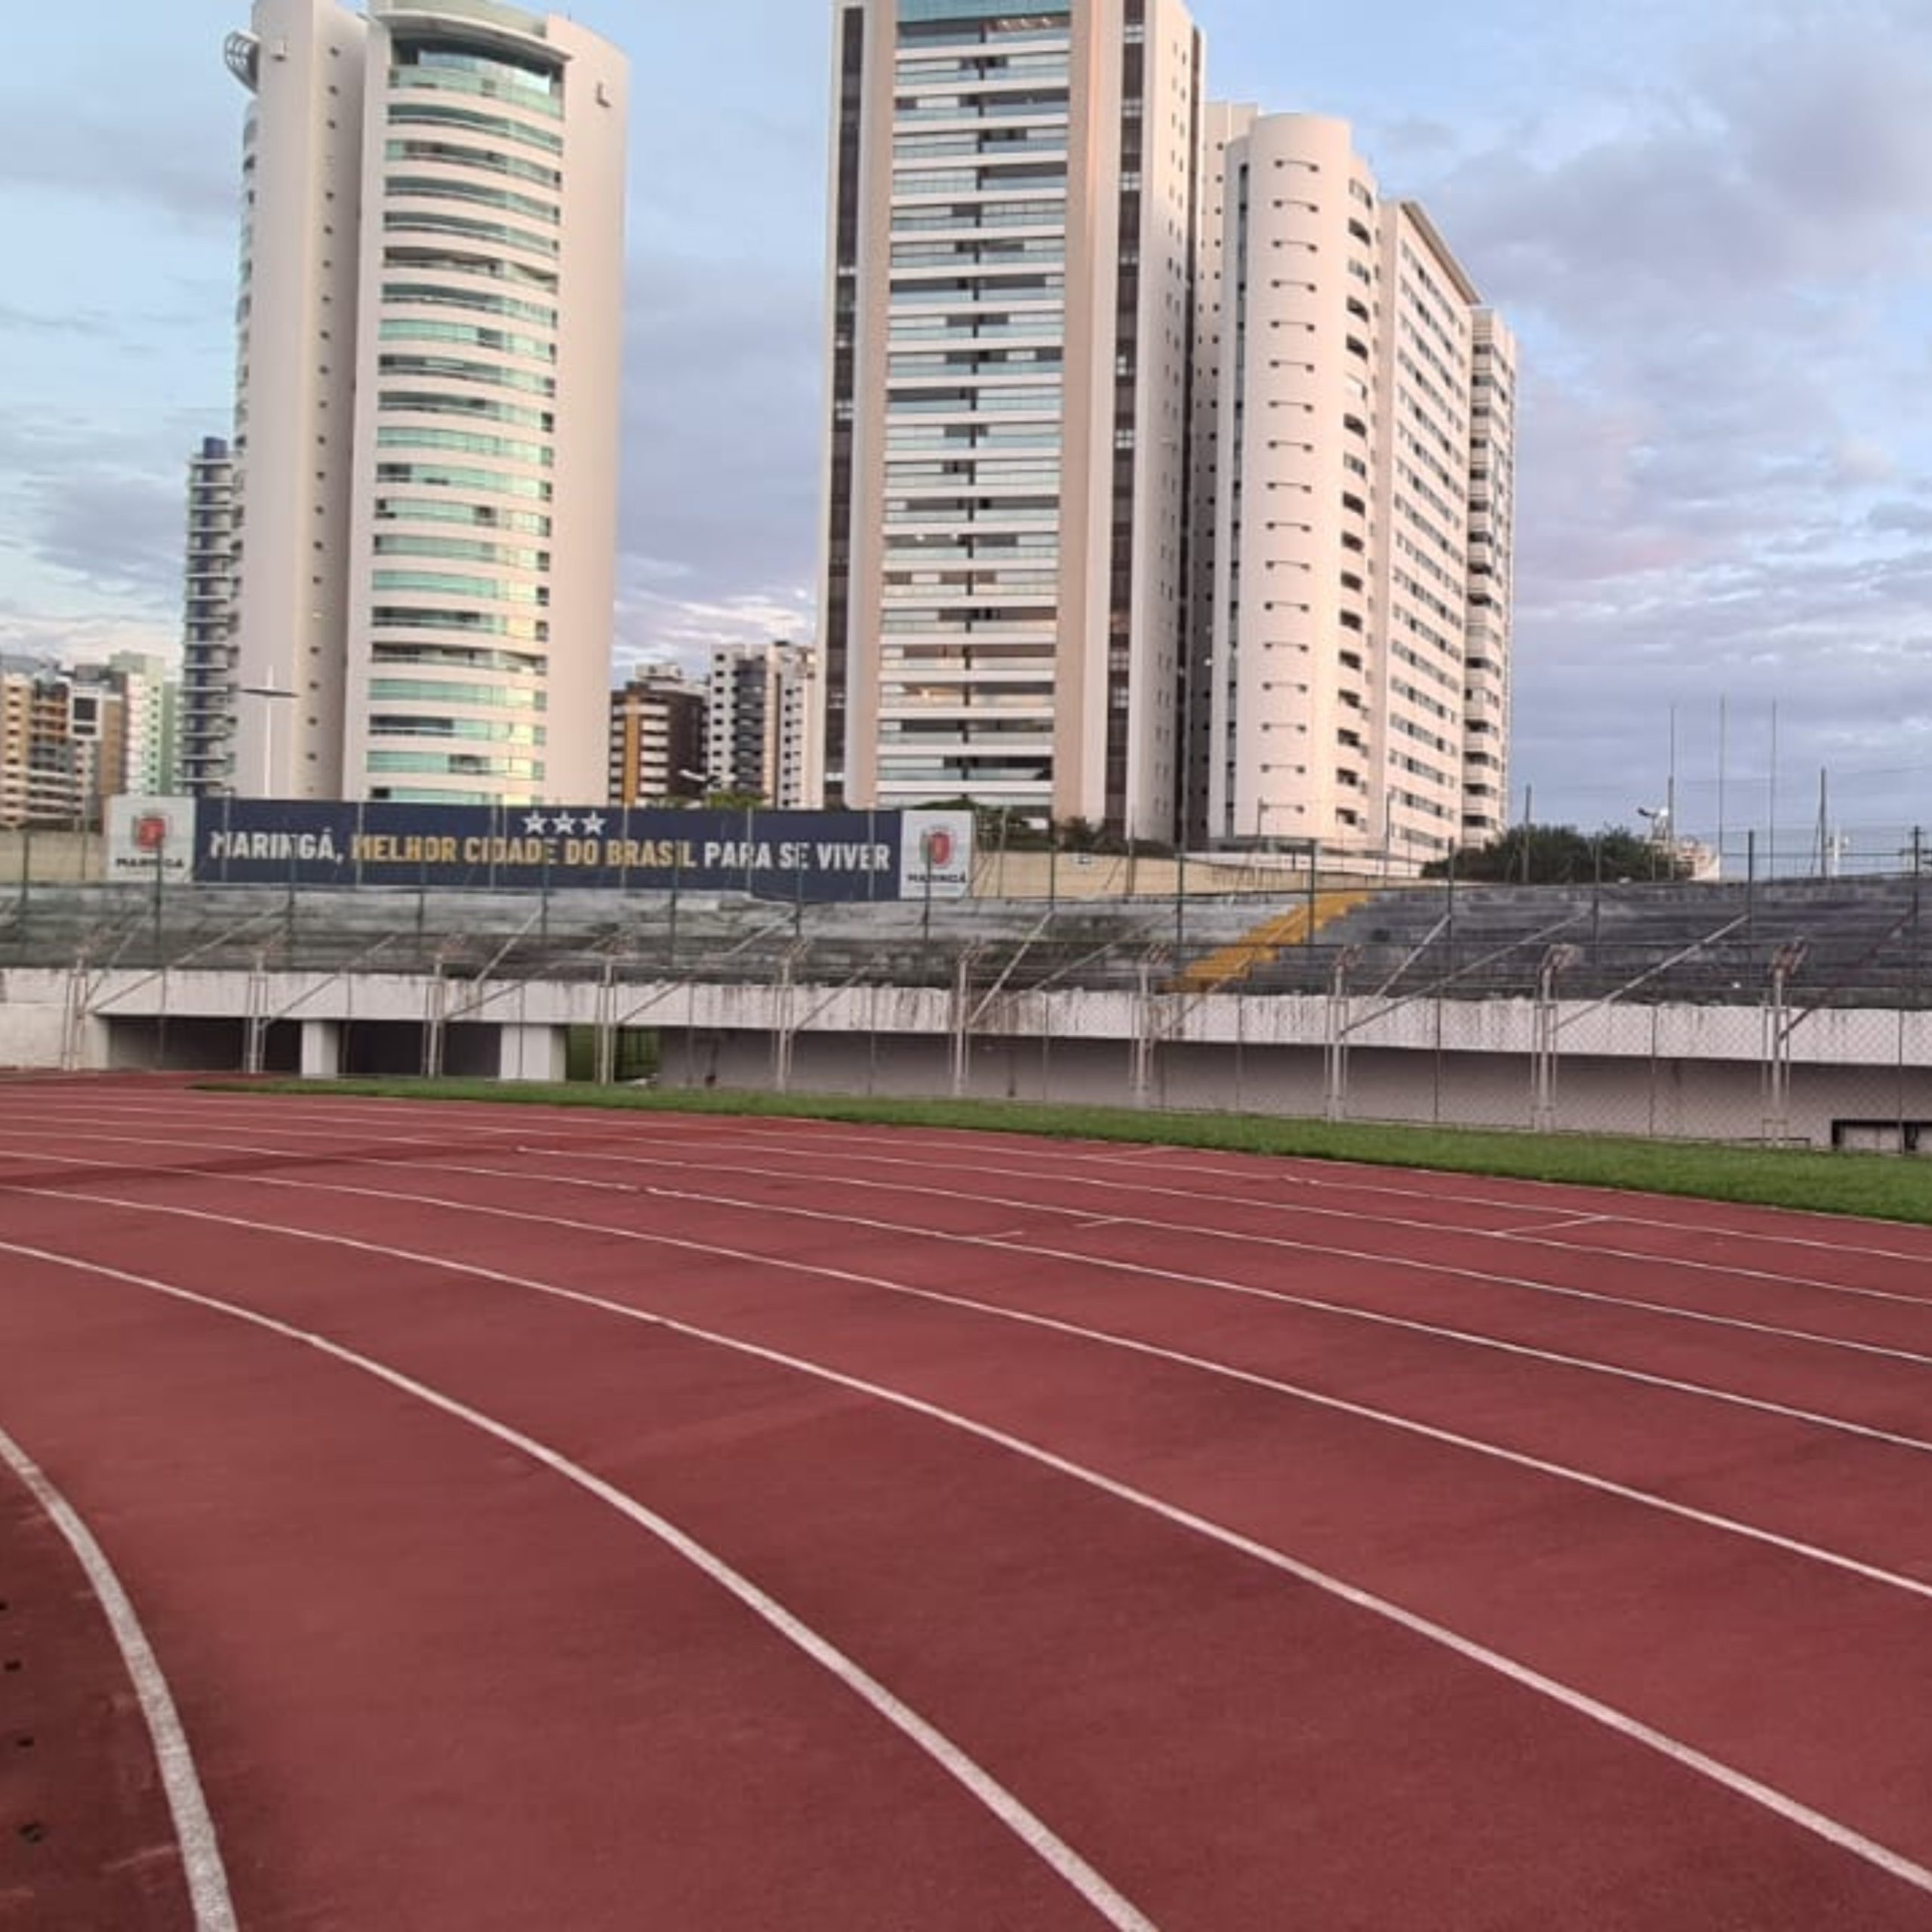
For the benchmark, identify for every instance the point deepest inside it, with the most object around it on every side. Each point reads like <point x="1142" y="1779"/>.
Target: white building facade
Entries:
<point x="208" y="702"/>
<point x="1003" y="597"/>
<point x="762" y="723"/>
<point x="426" y="413"/>
<point x="151" y="696"/>
<point x="1363" y="511"/>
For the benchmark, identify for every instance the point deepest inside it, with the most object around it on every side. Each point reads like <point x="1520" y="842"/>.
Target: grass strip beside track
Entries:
<point x="1881" y="1186"/>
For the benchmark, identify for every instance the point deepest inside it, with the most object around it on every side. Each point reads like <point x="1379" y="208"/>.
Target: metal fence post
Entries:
<point x="1785" y="961"/>
<point x="74" y="1018"/>
<point x="1241" y="1051"/>
<point x="1656" y="1065"/>
<point x="782" y="1032"/>
<point x="1544" y="1029"/>
<point x="433" y="1023"/>
<point x="1335" y="1095"/>
<point x="606" y="1073"/>
<point x="962" y="1044"/>
<point x="1143" y="1037"/>
<point x="254" y="1033"/>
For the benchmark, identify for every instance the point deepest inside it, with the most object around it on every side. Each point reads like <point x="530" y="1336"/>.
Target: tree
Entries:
<point x="1561" y="855"/>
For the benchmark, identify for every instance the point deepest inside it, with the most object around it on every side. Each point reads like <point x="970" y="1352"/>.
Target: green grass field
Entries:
<point x="1883" y="1186"/>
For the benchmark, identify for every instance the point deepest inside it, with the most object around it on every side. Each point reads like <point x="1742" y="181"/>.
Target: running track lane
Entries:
<point x="430" y="1686"/>
<point x="1446" y="1533"/>
<point x="1585" y="1871"/>
<point x="1797" y="1480"/>
<point x="85" y="1836"/>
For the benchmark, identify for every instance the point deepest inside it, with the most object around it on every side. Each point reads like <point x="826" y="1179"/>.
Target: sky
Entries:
<point x="1710" y="224"/>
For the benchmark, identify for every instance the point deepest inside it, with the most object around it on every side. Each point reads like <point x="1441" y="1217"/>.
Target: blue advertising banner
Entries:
<point x="819" y="856"/>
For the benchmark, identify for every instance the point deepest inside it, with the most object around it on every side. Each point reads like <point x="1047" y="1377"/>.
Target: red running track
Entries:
<point x="564" y="1519"/>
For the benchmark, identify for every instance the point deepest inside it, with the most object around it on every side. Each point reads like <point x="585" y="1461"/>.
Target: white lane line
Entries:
<point x="187" y="1803"/>
<point x="1305" y="1171"/>
<point x="1412" y="1264"/>
<point x="1535" y="1229"/>
<point x="1780" y="1804"/>
<point x="1276" y="1170"/>
<point x="1344" y="1311"/>
<point x="1407" y="1264"/>
<point x="1195" y="1197"/>
<point x="1127" y="1344"/>
<point x="1246" y="1290"/>
<point x="1024" y="1824"/>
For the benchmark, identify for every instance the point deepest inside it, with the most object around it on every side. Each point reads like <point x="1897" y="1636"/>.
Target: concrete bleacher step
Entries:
<point x="1263" y="944"/>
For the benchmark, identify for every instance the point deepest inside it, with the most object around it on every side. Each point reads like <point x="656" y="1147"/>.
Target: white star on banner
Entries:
<point x="593" y="825"/>
<point x="535" y="826"/>
<point x="566" y="825"/>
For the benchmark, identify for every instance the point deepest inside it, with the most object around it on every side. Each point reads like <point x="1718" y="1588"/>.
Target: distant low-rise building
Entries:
<point x="657" y="746"/>
<point x="151" y="694"/>
<point x="62" y="743"/>
<point x="762" y="735"/>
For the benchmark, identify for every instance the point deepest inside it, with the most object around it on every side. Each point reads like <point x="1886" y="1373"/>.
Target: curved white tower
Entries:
<point x="440" y="517"/>
<point x="1361" y="549"/>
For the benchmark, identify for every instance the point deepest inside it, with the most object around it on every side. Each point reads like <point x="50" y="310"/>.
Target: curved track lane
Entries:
<point x="548" y="1518"/>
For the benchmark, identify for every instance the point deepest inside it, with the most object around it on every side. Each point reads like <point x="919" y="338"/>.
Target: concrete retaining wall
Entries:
<point x="1671" y="1071"/>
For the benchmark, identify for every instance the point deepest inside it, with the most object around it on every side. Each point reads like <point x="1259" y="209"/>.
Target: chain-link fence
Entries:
<point x="1758" y="1009"/>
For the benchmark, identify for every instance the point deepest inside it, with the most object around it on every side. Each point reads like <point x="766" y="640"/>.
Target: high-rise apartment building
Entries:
<point x="20" y="679"/>
<point x="1168" y="469"/>
<point x="151" y="698"/>
<point x="761" y="723"/>
<point x="426" y="443"/>
<point x="800" y="780"/>
<point x="62" y="743"/>
<point x="208" y="623"/>
<point x="1005" y="541"/>
<point x="1362" y="508"/>
<point x="1492" y="582"/>
<point x="658" y="740"/>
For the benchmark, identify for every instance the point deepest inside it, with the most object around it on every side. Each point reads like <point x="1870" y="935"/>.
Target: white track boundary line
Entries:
<point x="1870" y="1573"/>
<point x="1671" y="1311"/>
<point x="1282" y="1169"/>
<point x="187" y="1803"/>
<point x="1247" y="1290"/>
<point x="1780" y="1804"/>
<point x="1195" y="1197"/>
<point x="1410" y="1264"/>
<point x="1346" y="1310"/>
<point x="1539" y="1237"/>
<point x="1297" y="1170"/>
<point x="1024" y="1824"/>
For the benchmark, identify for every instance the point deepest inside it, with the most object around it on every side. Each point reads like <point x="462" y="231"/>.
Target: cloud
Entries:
<point x="722" y="396"/>
<point x="1904" y="519"/>
<point x="653" y="628"/>
<point x="98" y="506"/>
<point x="185" y="168"/>
<point x="84" y="635"/>
<point x="17" y="321"/>
<point x="1719" y="304"/>
<point x="114" y="530"/>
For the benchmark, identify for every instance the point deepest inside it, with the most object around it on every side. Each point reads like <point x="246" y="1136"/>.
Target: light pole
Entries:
<point x="270" y="691"/>
<point x="1663" y="835"/>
